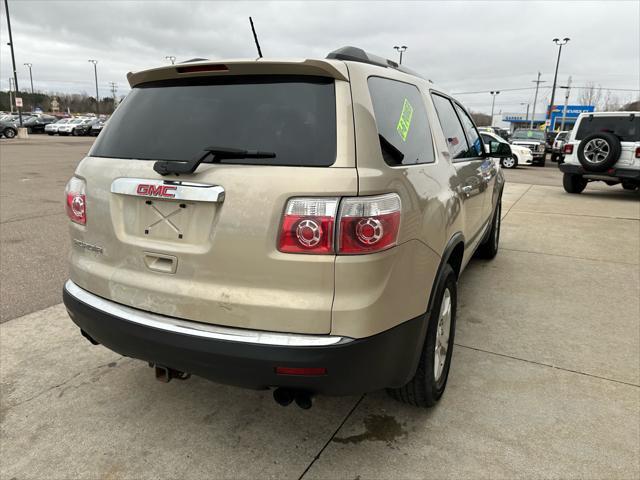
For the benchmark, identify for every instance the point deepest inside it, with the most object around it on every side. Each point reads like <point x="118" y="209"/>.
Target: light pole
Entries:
<point x="535" y="99"/>
<point x="401" y="50"/>
<point x="171" y="58"/>
<point x="95" y="73"/>
<point x="560" y="44"/>
<point x="526" y="118"/>
<point x="493" y="103"/>
<point x="13" y="60"/>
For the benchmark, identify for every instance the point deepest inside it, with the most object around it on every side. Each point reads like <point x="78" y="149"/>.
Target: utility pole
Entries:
<point x="401" y="50"/>
<point x="95" y="72"/>
<point x="560" y="44"/>
<point x="114" y="89"/>
<point x="493" y="103"/>
<point x="13" y="58"/>
<point x="566" y="102"/>
<point x="535" y="99"/>
<point x="29" y="65"/>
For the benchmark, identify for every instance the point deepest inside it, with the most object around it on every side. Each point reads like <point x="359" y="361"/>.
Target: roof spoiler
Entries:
<point x="355" y="54"/>
<point x="262" y="66"/>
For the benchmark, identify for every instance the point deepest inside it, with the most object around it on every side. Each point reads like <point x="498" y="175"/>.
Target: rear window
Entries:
<point x="401" y="118"/>
<point x="295" y="117"/>
<point x="627" y="128"/>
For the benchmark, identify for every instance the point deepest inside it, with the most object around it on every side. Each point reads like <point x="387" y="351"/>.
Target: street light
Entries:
<point x="95" y="73"/>
<point x="29" y="65"/>
<point x="401" y="50"/>
<point x="493" y="103"/>
<point x="526" y="118"/>
<point x="171" y="58"/>
<point x="560" y="44"/>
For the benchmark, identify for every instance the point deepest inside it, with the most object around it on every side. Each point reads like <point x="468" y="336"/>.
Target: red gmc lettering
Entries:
<point x="167" y="191"/>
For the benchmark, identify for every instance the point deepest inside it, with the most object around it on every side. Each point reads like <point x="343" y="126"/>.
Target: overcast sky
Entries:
<point x="462" y="46"/>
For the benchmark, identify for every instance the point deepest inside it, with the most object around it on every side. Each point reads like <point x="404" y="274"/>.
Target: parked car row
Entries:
<point x="72" y="126"/>
<point x="51" y="125"/>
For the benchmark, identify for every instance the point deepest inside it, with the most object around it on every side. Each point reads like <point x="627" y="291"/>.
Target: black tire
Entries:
<point x="602" y="143"/>
<point x="9" y="132"/>
<point x="423" y="390"/>
<point x="75" y="132"/>
<point x="50" y="133"/>
<point x="630" y="186"/>
<point x="488" y="249"/>
<point x="573" y="183"/>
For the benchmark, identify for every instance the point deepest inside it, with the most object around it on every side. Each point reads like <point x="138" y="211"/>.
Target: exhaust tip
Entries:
<point x="304" y="400"/>
<point x="283" y="396"/>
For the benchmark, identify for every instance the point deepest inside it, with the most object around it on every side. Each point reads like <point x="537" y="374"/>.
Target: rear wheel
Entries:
<point x="630" y="186"/>
<point x="428" y="384"/>
<point x="9" y="133"/>
<point x="573" y="183"/>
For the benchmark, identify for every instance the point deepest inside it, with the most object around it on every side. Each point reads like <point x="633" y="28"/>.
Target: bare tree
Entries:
<point x="610" y="103"/>
<point x="481" y="119"/>
<point x="590" y="95"/>
<point x="632" y="106"/>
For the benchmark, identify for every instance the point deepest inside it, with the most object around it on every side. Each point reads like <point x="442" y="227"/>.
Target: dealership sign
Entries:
<point x="573" y="111"/>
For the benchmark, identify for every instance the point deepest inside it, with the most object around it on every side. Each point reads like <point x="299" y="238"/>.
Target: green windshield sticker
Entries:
<point x="405" y="120"/>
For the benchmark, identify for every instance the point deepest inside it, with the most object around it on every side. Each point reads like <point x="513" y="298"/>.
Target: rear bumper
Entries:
<point x="613" y="173"/>
<point x="249" y="358"/>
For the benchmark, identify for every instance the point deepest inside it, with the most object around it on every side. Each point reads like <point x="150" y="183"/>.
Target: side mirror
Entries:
<point x="500" y="150"/>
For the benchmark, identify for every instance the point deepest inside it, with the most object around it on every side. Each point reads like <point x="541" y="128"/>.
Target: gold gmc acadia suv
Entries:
<point x="291" y="224"/>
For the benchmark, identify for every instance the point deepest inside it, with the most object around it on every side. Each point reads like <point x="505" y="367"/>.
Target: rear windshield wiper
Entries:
<point x="165" y="167"/>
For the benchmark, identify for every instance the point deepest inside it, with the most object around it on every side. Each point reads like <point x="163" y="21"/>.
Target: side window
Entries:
<point x="453" y="133"/>
<point x="401" y="117"/>
<point x="472" y="133"/>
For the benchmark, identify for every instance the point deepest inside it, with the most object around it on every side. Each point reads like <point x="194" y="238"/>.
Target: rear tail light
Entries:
<point x="76" y="201"/>
<point x="364" y="225"/>
<point x="568" y="149"/>
<point x="368" y="224"/>
<point x="638" y="152"/>
<point x="308" y="225"/>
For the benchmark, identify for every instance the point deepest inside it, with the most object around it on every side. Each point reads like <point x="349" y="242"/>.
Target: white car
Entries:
<point x="520" y="155"/>
<point x="603" y="146"/>
<point x="52" y="128"/>
<point x="77" y="126"/>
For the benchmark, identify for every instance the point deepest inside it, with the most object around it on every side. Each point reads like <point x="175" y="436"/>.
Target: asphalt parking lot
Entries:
<point x="545" y="381"/>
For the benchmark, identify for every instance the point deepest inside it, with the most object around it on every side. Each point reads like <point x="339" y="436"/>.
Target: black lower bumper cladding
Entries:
<point x="388" y="359"/>
<point x="621" y="173"/>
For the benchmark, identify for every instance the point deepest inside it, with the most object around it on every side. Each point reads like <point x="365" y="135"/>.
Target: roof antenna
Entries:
<point x="255" y="37"/>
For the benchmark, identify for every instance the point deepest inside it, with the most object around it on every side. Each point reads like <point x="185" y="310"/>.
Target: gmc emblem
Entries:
<point x="146" y="190"/>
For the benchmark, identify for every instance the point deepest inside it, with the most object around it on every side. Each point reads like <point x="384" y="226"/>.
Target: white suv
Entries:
<point x="603" y="146"/>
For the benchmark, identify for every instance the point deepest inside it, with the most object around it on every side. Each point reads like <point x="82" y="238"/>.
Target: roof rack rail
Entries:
<point x="355" y="54"/>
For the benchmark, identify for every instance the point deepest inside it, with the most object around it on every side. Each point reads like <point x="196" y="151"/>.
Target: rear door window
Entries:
<point x="451" y="127"/>
<point x="401" y="118"/>
<point x="626" y="127"/>
<point x="295" y="117"/>
<point x="473" y="138"/>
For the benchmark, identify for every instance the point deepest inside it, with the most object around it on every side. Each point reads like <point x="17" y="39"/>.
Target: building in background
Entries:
<point x="516" y="121"/>
<point x="573" y="111"/>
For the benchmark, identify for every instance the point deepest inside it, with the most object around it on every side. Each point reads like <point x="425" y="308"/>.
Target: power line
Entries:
<point x="547" y="87"/>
